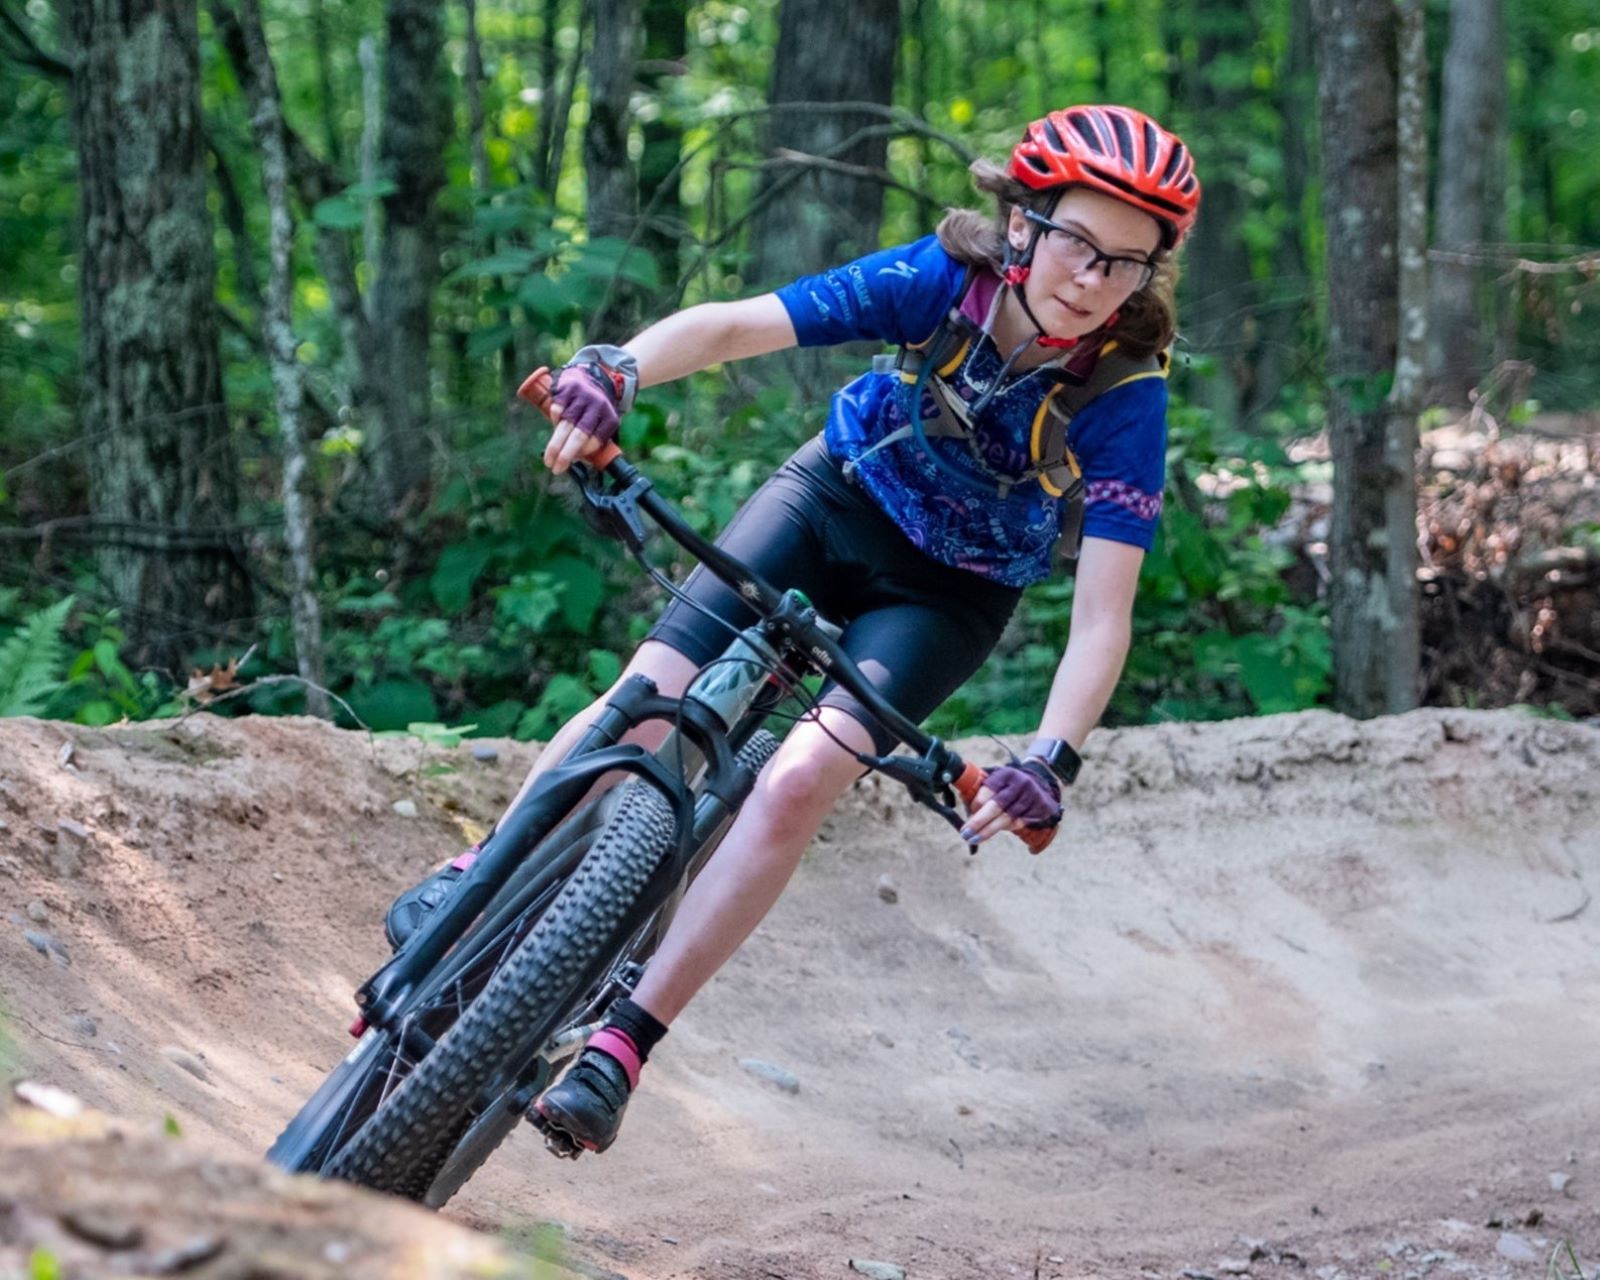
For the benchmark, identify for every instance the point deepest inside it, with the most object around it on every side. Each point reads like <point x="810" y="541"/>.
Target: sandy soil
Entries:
<point x="1296" y="996"/>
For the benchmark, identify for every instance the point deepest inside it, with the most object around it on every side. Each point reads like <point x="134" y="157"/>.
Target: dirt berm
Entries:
<point x="1292" y="996"/>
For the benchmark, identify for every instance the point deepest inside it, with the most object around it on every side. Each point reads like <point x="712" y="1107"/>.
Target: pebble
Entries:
<point x="1233" y="1267"/>
<point x="48" y="1098"/>
<point x="877" y="1270"/>
<point x="887" y="889"/>
<point x="1515" y="1248"/>
<point x="38" y="914"/>
<point x="406" y="808"/>
<point x="484" y="753"/>
<point x="186" y="1061"/>
<point x="73" y="830"/>
<point x="772" y="1074"/>
<point x="84" y="1025"/>
<point x="1558" y="1181"/>
<point x="47" y="944"/>
<point x="884" y="1038"/>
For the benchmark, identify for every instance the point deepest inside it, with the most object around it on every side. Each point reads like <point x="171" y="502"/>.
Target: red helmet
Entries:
<point x="1119" y="151"/>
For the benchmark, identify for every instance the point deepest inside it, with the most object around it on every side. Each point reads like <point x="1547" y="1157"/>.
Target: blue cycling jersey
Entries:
<point x="899" y="296"/>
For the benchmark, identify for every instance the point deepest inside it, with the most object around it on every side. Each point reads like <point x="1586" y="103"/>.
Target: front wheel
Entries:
<point x="413" y="1131"/>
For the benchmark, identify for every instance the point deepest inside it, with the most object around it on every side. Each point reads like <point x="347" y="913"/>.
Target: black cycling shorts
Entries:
<point x="916" y="627"/>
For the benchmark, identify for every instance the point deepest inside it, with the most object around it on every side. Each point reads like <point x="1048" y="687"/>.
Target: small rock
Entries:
<point x="878" y="1270"/>
<point x="887" y="889"/>
<point x="37" y="912"/>
<point x="64" y="756"/>
<point x="1255" y="1249"/>
<point x="1233" y="1267"/>
<point x="1193" y="1273"/>
<point x="186" y="1061"/>
<point x="774" y="1075"/>
<point x="669" y="1239"/>
<point x="1559" y="1182"/>
<point x="1437" y="1255"/>
<point x="1514" y="1248"/>
<point x="74" y="831"/>
<point x="406" y="808"/>
<point x="483" y="753"/>
<point x="336" y="1253"/>
<point x="884" y="1038"/>
<point x="47" y="944"/>
<point x="83" y="1025"/>
<point x="962" y="1109"/>
<point x="102" y="1229"/>
<point x="48" y="1098"/>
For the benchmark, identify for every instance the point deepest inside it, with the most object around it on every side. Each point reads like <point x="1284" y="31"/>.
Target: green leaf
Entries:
<point x="604" y="668"/>
<point x="338" y="213"/>
<point x="170" y="1126"/>
<point x="487" y="341"/>
<point x="32" y="659"/>
<point x="529" y="600"/>
<point x="374" y="190"/>
<point x="394" y="703"/>
<point x="507" y="262"/>
<point x="460" y="566"/>
<point x="582" y="590"/>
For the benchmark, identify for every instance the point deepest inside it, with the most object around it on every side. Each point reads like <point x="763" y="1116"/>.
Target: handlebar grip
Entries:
<point x="967" y="788"/>
<point x="535" y="389"/>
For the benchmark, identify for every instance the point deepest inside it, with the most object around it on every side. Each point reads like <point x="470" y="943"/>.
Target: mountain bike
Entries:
<point x="478" y="1011"/>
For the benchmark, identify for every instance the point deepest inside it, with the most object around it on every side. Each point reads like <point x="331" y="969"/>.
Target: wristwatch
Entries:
<point x="1058" y="757"/>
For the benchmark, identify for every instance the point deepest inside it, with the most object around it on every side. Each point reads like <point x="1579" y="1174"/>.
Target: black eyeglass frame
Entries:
<point x="1146" y="266"/>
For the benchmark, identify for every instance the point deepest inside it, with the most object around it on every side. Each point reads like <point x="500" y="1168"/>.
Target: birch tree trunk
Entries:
<point x="1356" y="51"/>
<point x="266" y="122"/>
<point x="1404" y="664"/>
<point x="152" y="375"/>
<point x="1472" y="123"/>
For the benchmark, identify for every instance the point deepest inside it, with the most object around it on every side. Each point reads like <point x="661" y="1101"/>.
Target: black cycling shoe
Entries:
<point x="408" y="911"/>
<point x="584" y="1111"/>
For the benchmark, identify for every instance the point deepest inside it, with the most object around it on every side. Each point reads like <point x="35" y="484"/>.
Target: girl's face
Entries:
<point x="1069" y="294"/>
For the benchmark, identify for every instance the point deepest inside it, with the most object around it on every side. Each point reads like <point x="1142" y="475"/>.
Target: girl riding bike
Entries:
<point x="1026" y="408"/>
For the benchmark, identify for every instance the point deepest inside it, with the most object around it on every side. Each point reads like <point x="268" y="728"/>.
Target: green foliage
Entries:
<point x="44" y="1265"/>
<point x="31" y="659"/>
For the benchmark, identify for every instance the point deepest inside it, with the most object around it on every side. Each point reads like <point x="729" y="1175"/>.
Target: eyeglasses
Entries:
<point x="1078" y="253"/>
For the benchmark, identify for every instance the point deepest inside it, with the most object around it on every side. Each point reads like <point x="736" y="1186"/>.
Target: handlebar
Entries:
<point x="942" y="769"/>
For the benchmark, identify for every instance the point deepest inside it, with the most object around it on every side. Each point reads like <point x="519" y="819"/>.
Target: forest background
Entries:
<point x="271" y="270"/>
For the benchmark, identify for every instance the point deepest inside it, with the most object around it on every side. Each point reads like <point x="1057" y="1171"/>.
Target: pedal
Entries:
<point x="556" y="1141"/>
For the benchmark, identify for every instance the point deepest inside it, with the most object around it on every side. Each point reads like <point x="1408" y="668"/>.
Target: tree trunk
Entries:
<point x="1472" y="123"/>
<point x="1404" y="663"/>
<point x="152" y="372"/>
<point x="416" y="124"/>
<point x="266" y="121"/>
<point x="666" y="36"/>
<point x="1356" y="50"/>
<point x="1218" y="311"/>
<point x="613" y="188"/>
<point x="1285" y="305"/>
<point x="813" y="216"/>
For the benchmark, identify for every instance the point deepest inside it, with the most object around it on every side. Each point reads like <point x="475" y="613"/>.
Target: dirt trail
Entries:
<point x="1322" y="991"/>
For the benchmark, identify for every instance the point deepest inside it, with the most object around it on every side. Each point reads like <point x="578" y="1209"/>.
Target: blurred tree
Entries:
<point x="1472" y="123"/>
<point x="612" y="184"/>
<point x="163" y="484"/>
<point x="661" y="70"/>
<point x="1371" y="599"/>
<point x="821" y="199"/>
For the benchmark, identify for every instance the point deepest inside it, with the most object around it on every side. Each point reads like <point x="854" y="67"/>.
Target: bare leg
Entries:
<point x="738" y="886"/>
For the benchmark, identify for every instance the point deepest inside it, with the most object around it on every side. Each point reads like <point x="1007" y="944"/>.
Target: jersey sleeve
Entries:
<point x="1120" y="439"/>
<point x="895" y="295"/>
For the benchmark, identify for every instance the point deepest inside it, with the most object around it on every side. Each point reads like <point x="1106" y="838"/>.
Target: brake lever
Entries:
<point x="615" y="514"/>
<point x="919" y="775"/>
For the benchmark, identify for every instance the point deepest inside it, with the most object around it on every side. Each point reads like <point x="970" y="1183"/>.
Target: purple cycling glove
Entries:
<point x="1028" y="793"/>
<point x="595" y="388"/>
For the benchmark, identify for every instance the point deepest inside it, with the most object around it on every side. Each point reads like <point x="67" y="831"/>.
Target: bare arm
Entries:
<point x="1097" y="646"/>
<point x="684" y="343"/>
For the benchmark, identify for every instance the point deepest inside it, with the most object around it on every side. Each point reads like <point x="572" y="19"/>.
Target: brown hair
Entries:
<point x="1146" y="322"/>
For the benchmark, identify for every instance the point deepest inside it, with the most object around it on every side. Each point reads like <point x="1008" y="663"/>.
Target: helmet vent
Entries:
<point x="1124" y="135"/>
<point x="1087" y="133"/>
<point x="1174" y="162"/>
<point x="1149" y="147"/>
<point x="1050" y="133"/>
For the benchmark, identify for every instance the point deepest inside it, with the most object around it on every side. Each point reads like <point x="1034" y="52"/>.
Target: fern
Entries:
<point x="33" y="660"/>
